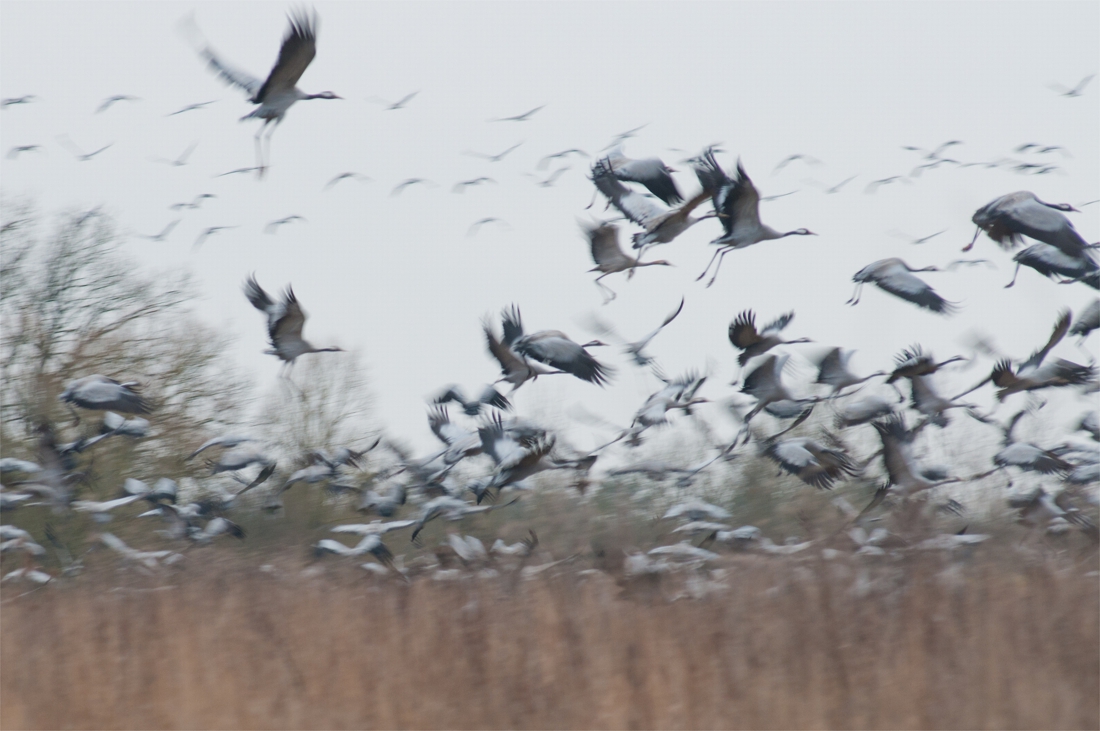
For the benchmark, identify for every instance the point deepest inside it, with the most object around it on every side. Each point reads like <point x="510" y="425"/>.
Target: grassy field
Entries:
<point x="917" y="642"/>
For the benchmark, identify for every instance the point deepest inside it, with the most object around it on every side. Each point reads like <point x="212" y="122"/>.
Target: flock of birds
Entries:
<point x="416" y="490"/>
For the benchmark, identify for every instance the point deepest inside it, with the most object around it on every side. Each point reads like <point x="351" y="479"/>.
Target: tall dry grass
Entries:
<point x="919" y="643"/>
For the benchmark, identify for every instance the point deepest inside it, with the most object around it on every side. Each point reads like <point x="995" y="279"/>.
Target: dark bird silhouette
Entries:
<point x="744" y="336"/>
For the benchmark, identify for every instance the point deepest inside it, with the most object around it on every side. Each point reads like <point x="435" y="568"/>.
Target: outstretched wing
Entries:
<point x="603" y="243"/>
<point x="298" y="49"/>
<point x="1060" y="329"/>
<point x="910" y="288"/>
<point x="231" y="75"/>
<point x="635" y="206"/>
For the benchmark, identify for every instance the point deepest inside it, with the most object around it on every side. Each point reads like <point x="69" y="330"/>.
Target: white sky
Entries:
<point x="398" y="278"/>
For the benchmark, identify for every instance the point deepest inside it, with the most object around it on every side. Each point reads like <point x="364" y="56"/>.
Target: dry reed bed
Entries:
<point x="916" y="644"/>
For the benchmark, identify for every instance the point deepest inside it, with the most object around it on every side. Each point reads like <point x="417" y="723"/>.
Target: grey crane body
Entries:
<point x="832" y="370"/>
<point x="650" y="172"/>
<point x="696" y="510"/>
<point x="101" y="393"/>
<point x="603" y="243"/>
<point x="1034" y="373"/>
<point x="1052" y="262"/>
<point x="516" y="456"/>
<point x="895" y="276"/>
<point x="371" y="544"/>
<point x="676" y="394"/>
<point x="863" y="411"/>
<point x="451" y="508"/>
<point x="809" y="461"/>
<point x="285" y="320"/>
<point x="489" y="396"/>
<point x="227" y="442"/>
<point x="555" y="349"/>
<point x="460" y="442"/>
<point x="744" y="336"/>
<point x="1087" y="321"/>
<point x="765" y="384"/>
<point x="903" y="474"/>
<point x="275" y="95"/>
<point x="1026" y="456"/>
<point x="514" y="367"/>
<point x="1009" y="218"/>
<point x="661" y="224"/>
<point x="736" y="204"/>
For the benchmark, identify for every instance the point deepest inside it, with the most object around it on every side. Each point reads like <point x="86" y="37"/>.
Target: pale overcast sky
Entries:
<point x="399" y="279"/>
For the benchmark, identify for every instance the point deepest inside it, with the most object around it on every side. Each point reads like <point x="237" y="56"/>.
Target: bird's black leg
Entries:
<point x="970" y="246"/>
<point x="854" y="299"/>
<point x="1014" y="275"/>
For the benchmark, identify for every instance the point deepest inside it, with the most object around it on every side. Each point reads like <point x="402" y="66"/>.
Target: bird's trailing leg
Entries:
<point x="970" y="246"/>
<point x="608" y="292"/>
<point x="854" y="299"/>
<point x="719" y="255"/>
<point x="1014" y="275"/>
<point x="716" y="253"/>
<point x="260" y="150"/>
<point x="267" y="153"/>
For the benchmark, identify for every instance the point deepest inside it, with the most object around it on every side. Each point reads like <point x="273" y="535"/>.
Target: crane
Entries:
<point x="636" y="350"/>
<point x="1087" y="321"/>
<point x="744" y="336"/>
<point x="765" y="384"/>
<point x="100" y="393"/>
<point x="285" y="320"/>
<point x="603" y="243"/>
<point x="275" y="95"/>
<point x="810" y="461"/>
<point x="555" y="349"/>
<point x="737" y="206"/>
<point x="913" y="361"/>
<point x="661" y="224"/>
<point x="1009" y="218"/>
<point x="832" y="370"/>
<point x="515" y="368"/>
<point x="1028" y="457"/>
<point x="489" y="396"/>
<point x="1033" y="374"/>
<point x="1050" y="262"/>
<point x="894" y="276"/>
<point x="650" y="172"/>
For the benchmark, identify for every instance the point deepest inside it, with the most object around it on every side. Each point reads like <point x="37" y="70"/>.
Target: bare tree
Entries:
<point x="74" y="305"/>
<point x="327" y="406"/>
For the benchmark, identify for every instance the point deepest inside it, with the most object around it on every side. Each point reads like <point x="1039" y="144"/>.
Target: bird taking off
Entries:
<point x="285" y="320"/>
<point x="101" y="393"/>
<point x="737" y="205"/>
<point x="279" y="91"/>
<point x="894" y="276"/>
